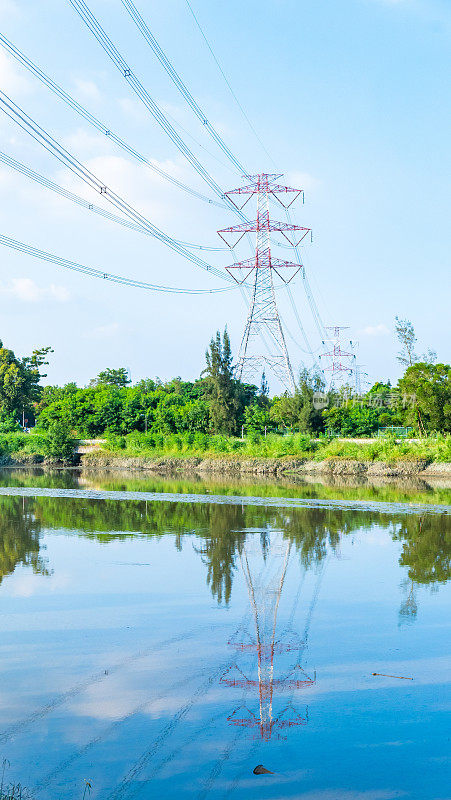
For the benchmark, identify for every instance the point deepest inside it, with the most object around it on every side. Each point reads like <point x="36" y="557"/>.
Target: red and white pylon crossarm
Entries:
<point x="263" y="317"/>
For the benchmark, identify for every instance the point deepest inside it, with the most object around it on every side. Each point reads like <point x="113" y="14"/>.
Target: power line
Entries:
<point x="54" y="187"/>
<point x="311" y="300"/>
<point x="108" y="46"/>
<point x="97" y="273"/>
<point x="25" y="122"/>
<point x="178" y="82"/>
<point x="300" y="325"/>
<point x="127" y="73"/>
<point x="228" y="83"/>
<point x="100" y="126"/>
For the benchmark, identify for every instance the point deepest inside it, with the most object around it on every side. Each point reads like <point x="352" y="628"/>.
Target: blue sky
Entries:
<point x="351" y="98"/>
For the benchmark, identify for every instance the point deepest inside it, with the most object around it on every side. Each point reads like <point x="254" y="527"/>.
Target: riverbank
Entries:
<point x="275" y="455"/>
<point x="102" y="460"/>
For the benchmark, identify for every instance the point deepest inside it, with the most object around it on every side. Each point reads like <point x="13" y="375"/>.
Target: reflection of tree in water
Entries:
<point x="426" y="549"/>
<point x="408" y="609"/>
<point x="221" y="547"/>
<point x="19" y="537"/>
<point x="426" y="552"/>
<point x="221" y="531"/>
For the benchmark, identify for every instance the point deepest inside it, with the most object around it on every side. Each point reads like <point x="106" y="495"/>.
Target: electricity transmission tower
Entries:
<point x="339" y="363"/>
<point x="361" y="378"/>
<point x="263" y="321"/>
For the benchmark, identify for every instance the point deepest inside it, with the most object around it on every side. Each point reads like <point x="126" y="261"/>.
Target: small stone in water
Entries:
<point x="261" y="770"/>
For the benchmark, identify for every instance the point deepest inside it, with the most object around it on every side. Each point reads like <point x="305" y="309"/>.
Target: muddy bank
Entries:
<point x="35" y="460"/>
<point x="266" y="466"/>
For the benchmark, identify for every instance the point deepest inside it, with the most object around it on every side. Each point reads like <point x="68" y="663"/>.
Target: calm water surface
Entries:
<point x="162" y="648"/>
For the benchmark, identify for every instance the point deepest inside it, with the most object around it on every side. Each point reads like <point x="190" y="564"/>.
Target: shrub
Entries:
<point x="58" y="444"/>
<point x="114" y="441"/>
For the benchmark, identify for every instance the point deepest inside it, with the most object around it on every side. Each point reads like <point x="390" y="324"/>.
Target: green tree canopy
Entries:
<point x="19" y="379"/>
<point x="220" y="385"/>
<point x="429" y="387"/>
<point x="111" y="377"/>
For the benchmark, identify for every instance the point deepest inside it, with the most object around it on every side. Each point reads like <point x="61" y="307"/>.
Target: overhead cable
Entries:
<point x="97" y="273"/>
<point x="54" y="187"/>
<point x="311" y="300"/>
<point x="228" y="83"/>
<point x="179" y="83"/>
<point x="52" y="146"/>
<point x="100" y="126"/>
<point x="127" y="73"/>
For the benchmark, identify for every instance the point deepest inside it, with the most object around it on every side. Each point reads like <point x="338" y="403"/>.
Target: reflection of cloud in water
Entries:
<point x="356" y="677"/>
<point x="28" y="584"/>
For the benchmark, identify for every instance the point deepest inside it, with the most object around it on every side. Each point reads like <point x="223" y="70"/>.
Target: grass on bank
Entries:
<point x="276" y="446"/>
<point x="57" y="445"/>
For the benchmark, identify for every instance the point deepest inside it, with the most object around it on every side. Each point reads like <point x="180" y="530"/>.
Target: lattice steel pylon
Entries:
<point x="263" y="317"/>
<point x="341" y="364"/>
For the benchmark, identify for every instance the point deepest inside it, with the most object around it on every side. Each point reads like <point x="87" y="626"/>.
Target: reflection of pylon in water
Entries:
<point x="265" y="598"/>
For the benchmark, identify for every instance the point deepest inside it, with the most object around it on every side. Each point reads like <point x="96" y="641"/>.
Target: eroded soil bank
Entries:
<point x="264" y="466"/>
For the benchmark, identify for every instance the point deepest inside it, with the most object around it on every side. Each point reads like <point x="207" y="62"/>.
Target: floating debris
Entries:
<point x="261" y="770"/>
<point x="400" y="677"/>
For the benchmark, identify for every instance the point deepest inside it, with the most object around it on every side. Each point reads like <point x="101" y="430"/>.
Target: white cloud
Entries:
<point x="12" y="79"/>
<point x="145" y="190"/>
<point x="375" y="330"/>
<point x="8" y="10"/>
<point x="133" y="109"/>
<point x="103" y="331"/>
<point x="27" y="291"/>
<point x="83" y="143"/>
<point x="86" y="90"/>
<point x="301" y="180"/>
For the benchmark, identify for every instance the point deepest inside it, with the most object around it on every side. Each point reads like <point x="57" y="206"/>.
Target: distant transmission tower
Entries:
<point x="263" y="317"/>
<point x="337" y="364"/>
<point x="361" y="378"/>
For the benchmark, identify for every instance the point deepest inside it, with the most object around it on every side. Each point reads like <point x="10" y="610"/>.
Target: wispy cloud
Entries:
<point x="301" y="180"/>
<point x="12" y="80"/>
<point x="103" y="331"/>
<point x="375" y="330"/>
<point x="27" y="291"/>
<point x="86" y="89"/>
<point x="8" y="10"/>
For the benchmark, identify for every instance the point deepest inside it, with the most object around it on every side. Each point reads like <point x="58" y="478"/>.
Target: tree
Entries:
<point x="298" y="410"/>
<point x="264" y="388"/>
<point x="111" y="377"/>
<point x="221" y="388"/>
<point x="407" y="339"/>
<point x="19" y="380"/>
<point x="354" y="419"/>
<point x="285" y="410"/>
<point x="429" y="386"/>
<point x="407" y="356"/>
<point x="310" y="418"/>
<point x="257" y="418"/>
<point x="59" y="443"/>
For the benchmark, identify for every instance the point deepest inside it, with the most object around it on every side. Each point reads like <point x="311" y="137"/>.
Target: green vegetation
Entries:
<point x="218" y="414"/>
<point x="274" y="446"/>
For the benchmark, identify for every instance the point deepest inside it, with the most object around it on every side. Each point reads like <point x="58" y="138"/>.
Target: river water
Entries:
<point x="160" y="638"/>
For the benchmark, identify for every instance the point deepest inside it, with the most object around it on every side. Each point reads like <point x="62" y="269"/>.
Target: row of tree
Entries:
<point x="219" y="403"/>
